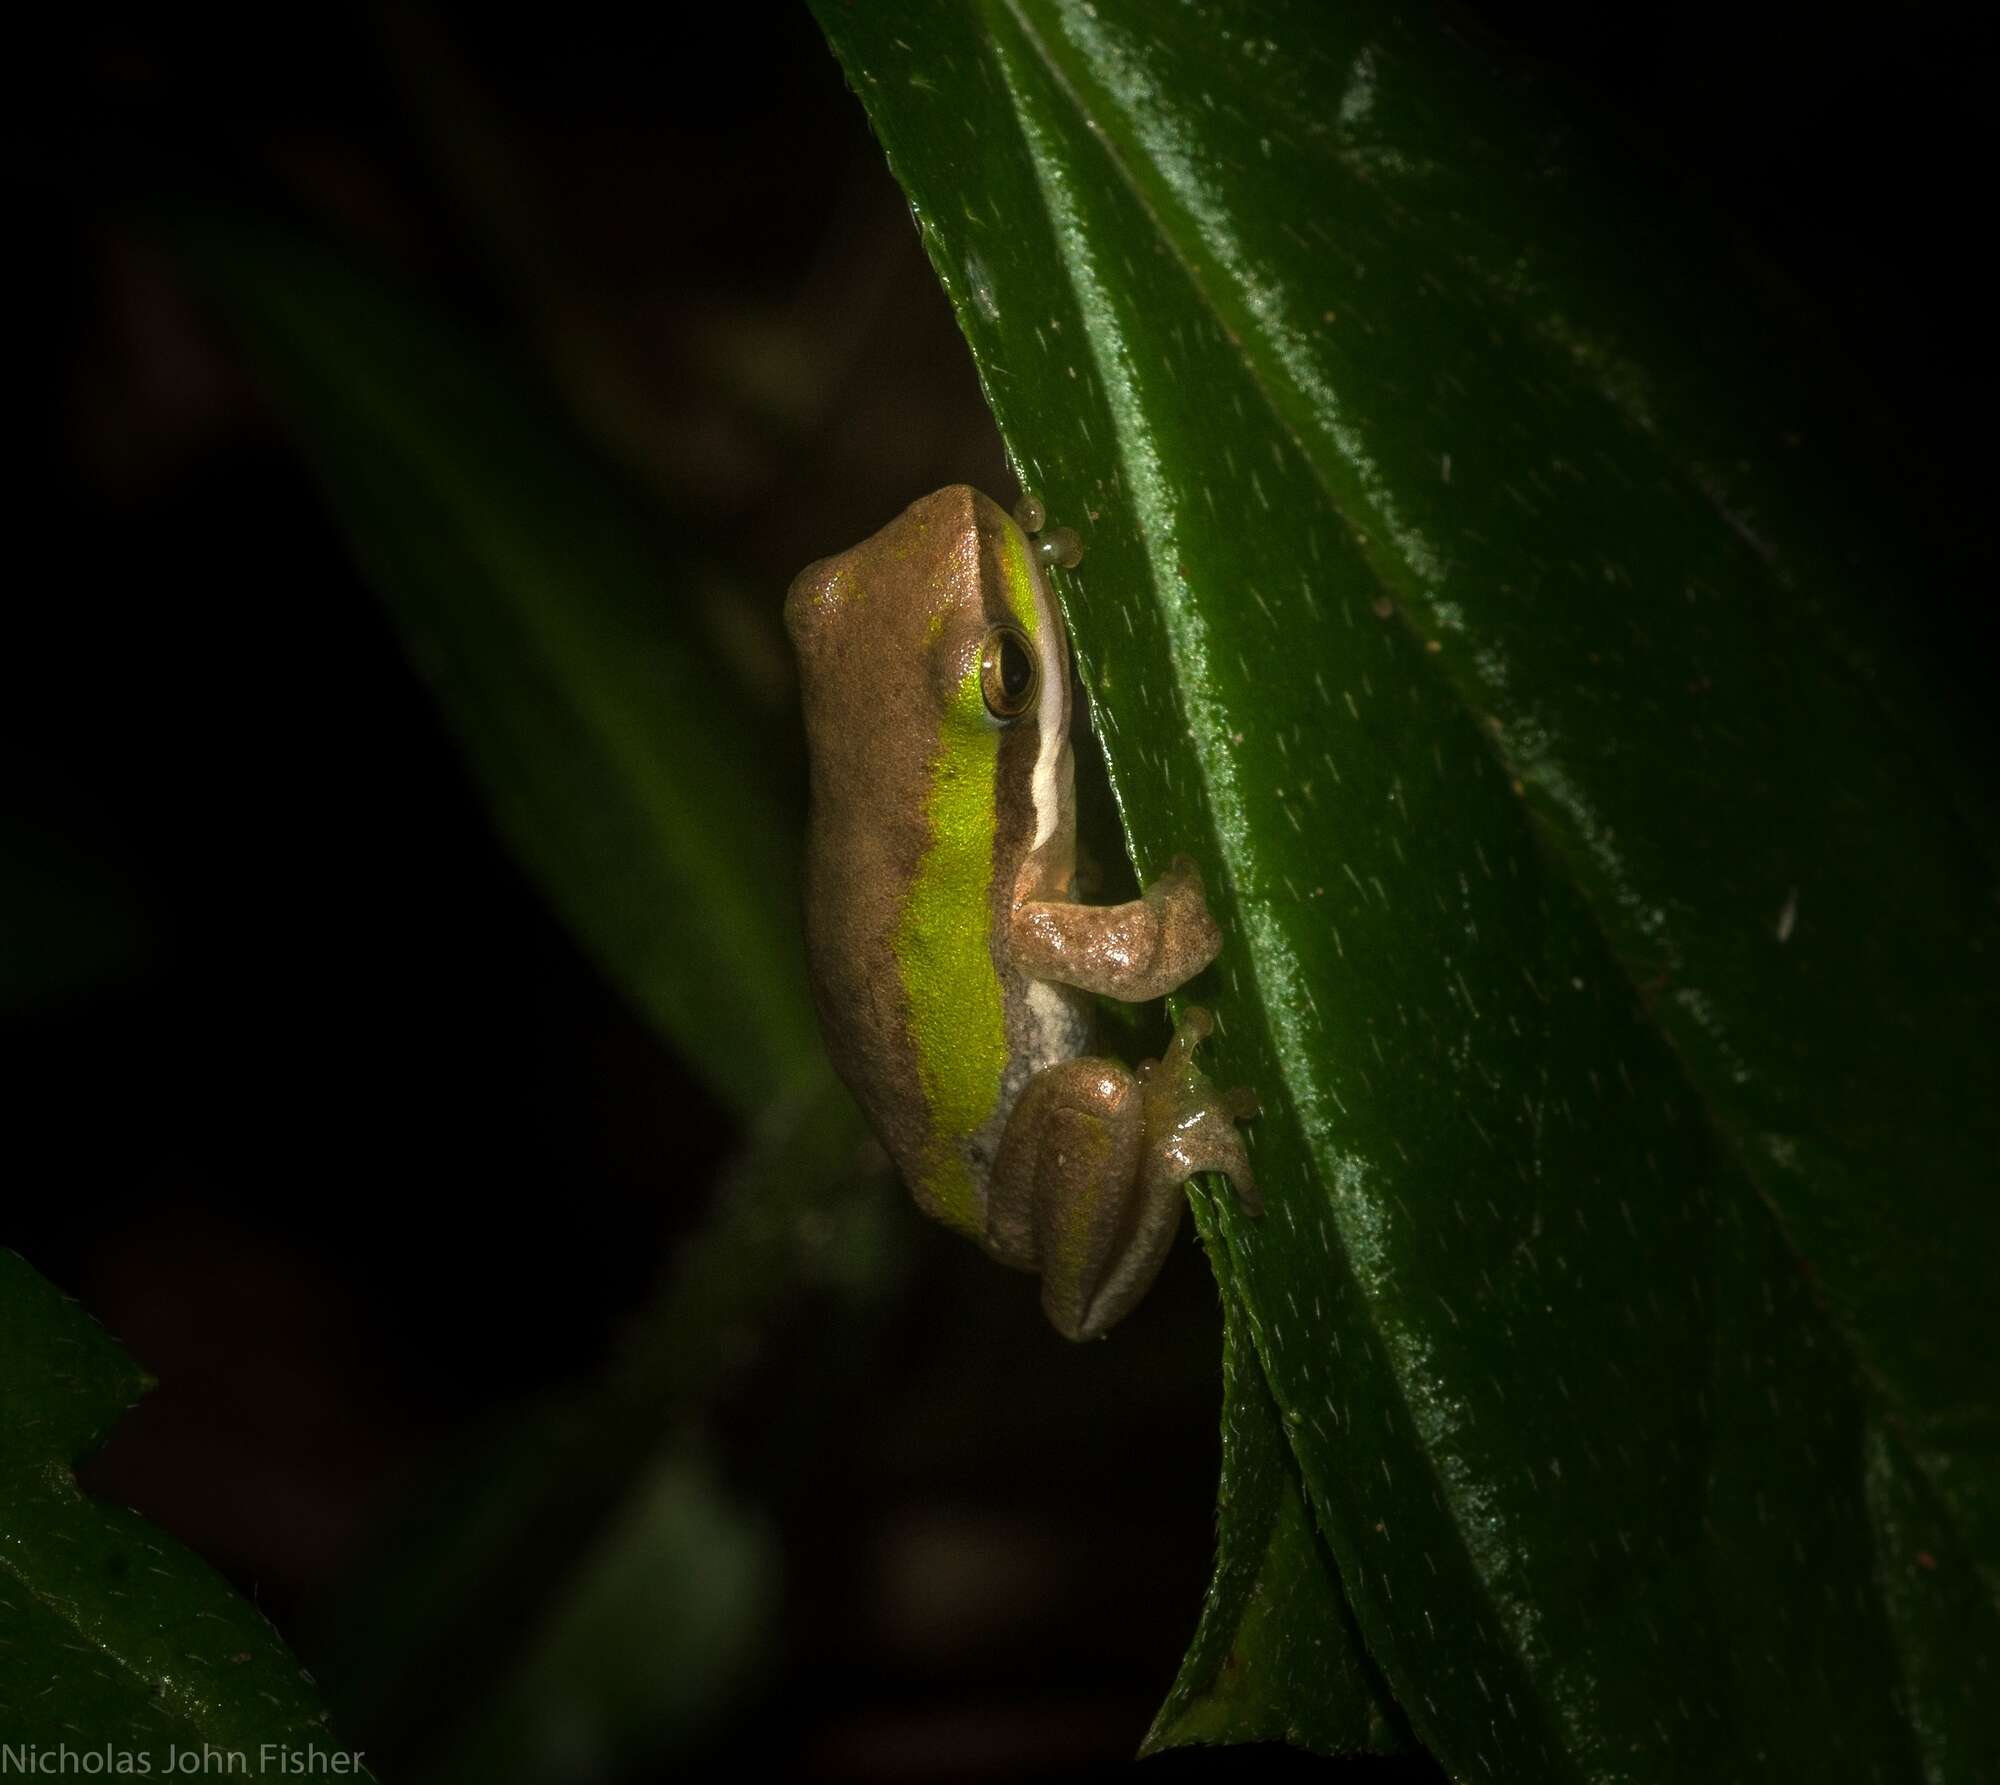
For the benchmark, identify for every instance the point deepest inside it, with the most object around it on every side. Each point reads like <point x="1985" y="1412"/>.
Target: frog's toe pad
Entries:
<point x="1247" y="1196"/>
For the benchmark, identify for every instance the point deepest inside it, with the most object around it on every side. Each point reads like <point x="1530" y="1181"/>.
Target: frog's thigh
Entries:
<point x="1073" y="1198"/>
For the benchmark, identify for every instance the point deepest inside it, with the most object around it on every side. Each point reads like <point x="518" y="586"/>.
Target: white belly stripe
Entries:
<point x="1059" y="1029"/>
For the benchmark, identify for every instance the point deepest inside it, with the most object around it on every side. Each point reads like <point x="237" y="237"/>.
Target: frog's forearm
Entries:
<point x="1141" y="950"/>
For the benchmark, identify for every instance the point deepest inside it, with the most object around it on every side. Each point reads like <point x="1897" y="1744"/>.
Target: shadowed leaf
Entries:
<point x="113" y="1638"/>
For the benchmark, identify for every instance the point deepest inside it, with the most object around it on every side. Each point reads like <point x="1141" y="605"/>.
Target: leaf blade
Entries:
<point x="1277" y="1656"/>
<point x="1495" y="1153"/>
<point x="116" y="1638"/>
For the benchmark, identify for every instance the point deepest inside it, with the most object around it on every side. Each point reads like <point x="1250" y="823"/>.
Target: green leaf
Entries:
<point x="1277" y="1656"/>
<point x="112" y="1636"/>
<point x="1612" y="931"/>
<point x="562" y="644"/>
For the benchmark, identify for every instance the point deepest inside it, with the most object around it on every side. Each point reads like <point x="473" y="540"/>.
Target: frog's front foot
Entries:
<point x="1141" y="950"/>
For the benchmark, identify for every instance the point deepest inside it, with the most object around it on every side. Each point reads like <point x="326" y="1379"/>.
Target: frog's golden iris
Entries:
<point x="1008" y="677"/>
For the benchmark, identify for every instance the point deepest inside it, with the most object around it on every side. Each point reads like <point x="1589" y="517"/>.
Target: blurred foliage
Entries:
<point x="619" y="753"/>
<point x="638" y="1548"/>
<point x="614" y="752"/>
<point x="624" y="764"/>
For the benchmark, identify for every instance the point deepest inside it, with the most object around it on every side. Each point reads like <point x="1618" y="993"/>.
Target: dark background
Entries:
<point x="308" y="1096"/>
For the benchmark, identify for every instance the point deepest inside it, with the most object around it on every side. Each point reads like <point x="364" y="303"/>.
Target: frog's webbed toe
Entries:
<point x="1190" y="1124"/>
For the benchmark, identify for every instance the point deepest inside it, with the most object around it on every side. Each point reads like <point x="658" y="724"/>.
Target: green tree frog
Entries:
<point x="952" y="967"/>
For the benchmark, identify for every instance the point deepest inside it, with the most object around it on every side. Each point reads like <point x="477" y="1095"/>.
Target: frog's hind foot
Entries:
<point x="1190" y="1124"/>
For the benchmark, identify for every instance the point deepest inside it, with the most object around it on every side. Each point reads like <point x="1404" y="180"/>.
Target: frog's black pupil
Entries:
<point x="1016" y="671"/>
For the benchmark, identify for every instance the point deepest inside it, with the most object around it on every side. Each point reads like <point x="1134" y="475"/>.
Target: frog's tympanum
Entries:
<point x="953" y="969"/>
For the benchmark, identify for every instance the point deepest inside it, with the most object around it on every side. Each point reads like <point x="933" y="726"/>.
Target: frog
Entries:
<point x="954" y="969"/>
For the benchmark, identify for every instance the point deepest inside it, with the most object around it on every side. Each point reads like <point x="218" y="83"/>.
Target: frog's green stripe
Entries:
<point x="1020" y="580"/>
<point x="956" y="1020"/>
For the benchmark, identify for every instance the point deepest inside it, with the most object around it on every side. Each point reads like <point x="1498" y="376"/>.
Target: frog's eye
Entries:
<point x="1008" y="674"/>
